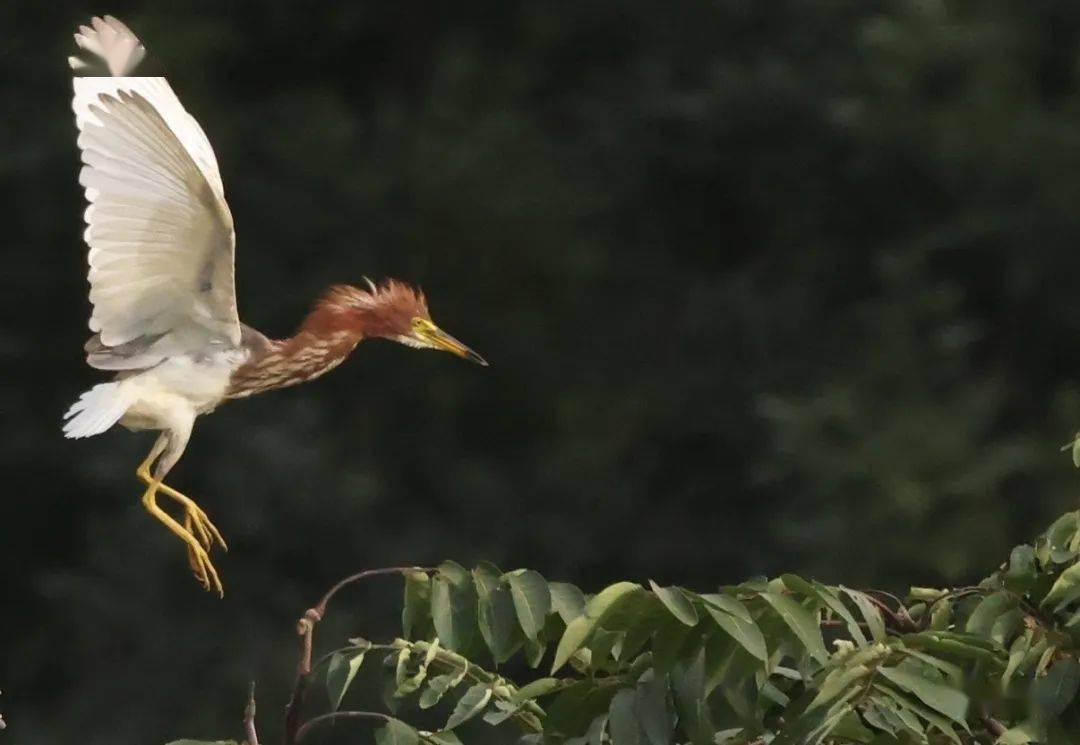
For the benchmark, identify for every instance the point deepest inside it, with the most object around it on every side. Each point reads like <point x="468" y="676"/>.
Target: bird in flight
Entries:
<point x="164" y="316"/>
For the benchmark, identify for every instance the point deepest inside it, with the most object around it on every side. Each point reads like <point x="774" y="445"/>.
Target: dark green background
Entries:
<point x="765" y="286"/>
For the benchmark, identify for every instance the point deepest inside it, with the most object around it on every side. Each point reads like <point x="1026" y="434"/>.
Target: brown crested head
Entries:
<point x="388" y="310"/>
<point x="385" y="310"/>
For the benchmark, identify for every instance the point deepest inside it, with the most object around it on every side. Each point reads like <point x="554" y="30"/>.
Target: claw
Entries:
<point x="204" y="570"/>
<point x="194" y="516"/>
<point x="197" y="532"/>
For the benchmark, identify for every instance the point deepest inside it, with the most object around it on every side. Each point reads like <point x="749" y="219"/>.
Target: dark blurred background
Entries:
<point x="766" y="286"/>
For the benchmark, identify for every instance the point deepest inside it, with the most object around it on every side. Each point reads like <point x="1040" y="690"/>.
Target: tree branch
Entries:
<point x="251" y="737"/>
<point x="305" y="629"/>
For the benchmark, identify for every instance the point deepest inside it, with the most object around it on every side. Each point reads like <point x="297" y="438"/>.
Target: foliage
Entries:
<point x="786" y="661"/>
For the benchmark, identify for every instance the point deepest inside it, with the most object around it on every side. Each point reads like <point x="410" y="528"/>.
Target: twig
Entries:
<point x="322" y="660"/>
<point x="525" y="715"/>
<point x="251" y="737"/>
<point x="901" y="620"/>
<point x="901" y="613"/>
<point x="305" y="629"/>
<point x="315" y="721"/>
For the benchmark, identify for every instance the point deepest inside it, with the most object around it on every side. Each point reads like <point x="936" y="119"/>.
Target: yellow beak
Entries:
<point x="439" y="339"/>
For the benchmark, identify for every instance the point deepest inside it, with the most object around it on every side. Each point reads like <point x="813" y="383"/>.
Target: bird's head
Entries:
<point x="396" y="311"/>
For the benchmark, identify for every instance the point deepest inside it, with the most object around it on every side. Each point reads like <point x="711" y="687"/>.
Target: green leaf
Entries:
<point x="935" y="694"/>
<point x="745" y="632"/>
<point x="203" y="742"/>
<point x="1007" y="624"/>
<point x="576" y="705"/>
<point x="471" y="704"/>
<point x="954" y="674"/>
<point x="926" y="594"/>
<point x="831" y="598"/>
<point x="409" y="679"/>
<point x="802" y="622"/>
<point x="836" y="683"/>
<point x="437" y="686"/>
<point x="966" y="647"/>
<point x="417" y="607"/>
<point x="656" y="717"/>
<point x="1052" y="693"/>
<point x="396" y="732"/>
<point x="537" y="688"/>
<point x="727" y="661"/>
<point x="534" y="652"/>
<point x="1023" y="570"/>
<point x="595" y="734"/>
<point x="1017" y="652"/>
<point x="532" y="599"/>
<point x="941" y="614"/>
<point x="502" y="711"/>
<point x="669" y="641"/>
<point x="340" y="672"/>
<point x="832" y="719"/>
<point x="688" y="686"/>
<point x="1054" y="545"/>
<point x="496" y="613"/>
<point x="730" y="604"/>
<point x="1066" y="588"/>
<point x="454" y="572"/>
<point x="603" y="601"/>
<point x="623" y="723"/>
<point x="578" y="630"/>
<point x="567" y="600"/>
<point x="676" y="600"/>
<point x="440" y="738"/>
<point x="850" y="728"/>
<point x="575" y="635"/>
<point x="906" y="706"/>
<point x="870" y="613"/>
<point x="888" y="702"/>
<point x="453" y="607"/>
<point x="982" y="619"/>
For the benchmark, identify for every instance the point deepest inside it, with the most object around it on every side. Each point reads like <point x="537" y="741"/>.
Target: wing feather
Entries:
<point x="159" y="231"/>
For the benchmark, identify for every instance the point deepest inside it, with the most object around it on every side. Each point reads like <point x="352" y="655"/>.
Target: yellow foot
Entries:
<point x="195" y="518"/>
<point x="196" y="523"/>
<point x="203" y="569"/>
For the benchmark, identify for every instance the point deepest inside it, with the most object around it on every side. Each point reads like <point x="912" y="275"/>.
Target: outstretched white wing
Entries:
<point x="160" y="233"/>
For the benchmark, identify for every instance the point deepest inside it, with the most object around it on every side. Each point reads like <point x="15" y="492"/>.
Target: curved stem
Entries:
<point x="314" y="722"/>
<point x="321" y="607"/>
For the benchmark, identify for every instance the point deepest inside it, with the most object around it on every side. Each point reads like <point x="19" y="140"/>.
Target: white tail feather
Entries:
<point x="96" y="410"/>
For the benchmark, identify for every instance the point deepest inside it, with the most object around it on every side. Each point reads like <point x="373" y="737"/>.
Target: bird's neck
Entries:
<point x="322" y="343"/>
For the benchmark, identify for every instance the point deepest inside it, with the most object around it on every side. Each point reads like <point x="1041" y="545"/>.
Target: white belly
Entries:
<point x="174" y="392"/>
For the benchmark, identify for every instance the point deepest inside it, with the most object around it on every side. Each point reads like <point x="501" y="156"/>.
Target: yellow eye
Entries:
<point x="419" y="324"/>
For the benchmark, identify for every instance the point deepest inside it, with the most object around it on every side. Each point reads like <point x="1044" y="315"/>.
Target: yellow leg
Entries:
<point x="195" y="523"/>
<point x="200" y="560"/>
<point x="194" y="516"/>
